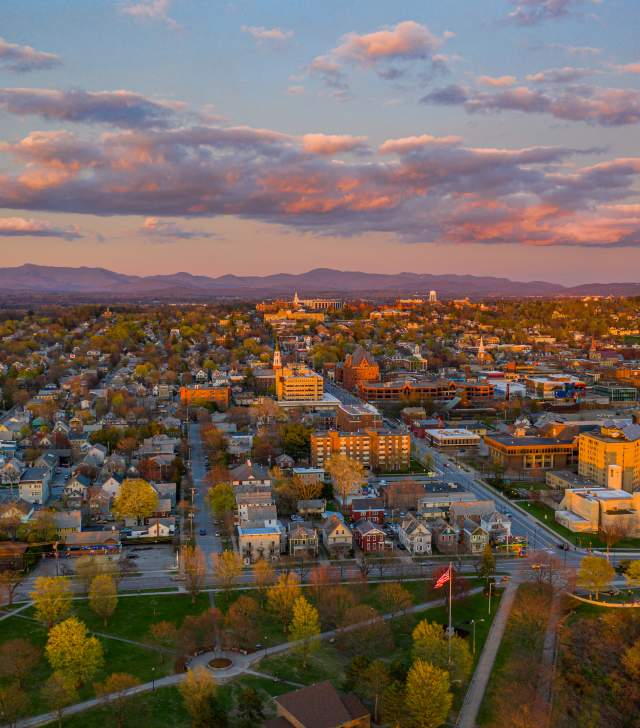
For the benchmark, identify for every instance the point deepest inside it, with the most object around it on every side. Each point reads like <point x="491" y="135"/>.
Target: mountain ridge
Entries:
<point x="85" y="280"/>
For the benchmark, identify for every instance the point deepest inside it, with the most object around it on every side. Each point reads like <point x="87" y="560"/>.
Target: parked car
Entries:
<point x="203" y="531"/>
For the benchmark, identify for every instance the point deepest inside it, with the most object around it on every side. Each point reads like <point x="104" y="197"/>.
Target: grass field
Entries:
<point x="546" y="515"/>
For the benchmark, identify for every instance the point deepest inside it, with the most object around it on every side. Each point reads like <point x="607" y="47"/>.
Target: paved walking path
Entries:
<point x="478" y="685"/>
<point x="242" y="665"/>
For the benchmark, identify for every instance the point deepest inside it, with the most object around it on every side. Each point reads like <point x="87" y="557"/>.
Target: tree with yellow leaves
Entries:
<point x="427" y="697"/>
<point x="103" y="596"/>
<point x="346" y="474"/>
<point x="227" y="567"/>
<point x="52" y="599"/>
<point x="282" y="595"/>
<point x="304" y="628"/>
<point x="114" y="693"/>
<point x="72" y="652"/>
<point x="58" y="693"/>
<point x="197" y="690"/>
<point x="264" y="575"/>
<point x="193" y="568"/>
<point x="137" y="499"/>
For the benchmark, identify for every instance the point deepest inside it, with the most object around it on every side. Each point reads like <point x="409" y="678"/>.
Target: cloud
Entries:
<point x="23" y="58"/>
<point x="152" y="11"/>
<point x="627" y="68"/>
<point x="533" y="12"/>
<point x="165" y="230"/>
<point x="295" y="90"/>
<point x="11" y="227"/>
<point x="567" y="74"/>
<point x="268" y="36"/>
<point x="413" y="143"/>
<point x="419" y="189"/>
<point x="497" y="81"/>
<point x="390" y="52"/>
<point x="119" y="108"/>
<point x="590" y="104"/>
<point x="329" y="144"/>
<point x="573" y="50"/>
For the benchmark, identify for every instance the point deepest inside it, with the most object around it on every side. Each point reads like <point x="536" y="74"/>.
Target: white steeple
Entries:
<point x="296" y="300"/>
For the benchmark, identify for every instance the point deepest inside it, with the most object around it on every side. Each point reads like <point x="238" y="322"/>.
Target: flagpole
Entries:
<point x="450" y="592"/>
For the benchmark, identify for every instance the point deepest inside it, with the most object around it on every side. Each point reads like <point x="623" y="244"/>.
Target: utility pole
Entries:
<point x="450" y="626"/>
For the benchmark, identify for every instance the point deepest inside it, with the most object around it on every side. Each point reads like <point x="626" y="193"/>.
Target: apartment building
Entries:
<point x="599" y="450"/>
<point x="403" y="389"/>
<point x="380" y="449"/>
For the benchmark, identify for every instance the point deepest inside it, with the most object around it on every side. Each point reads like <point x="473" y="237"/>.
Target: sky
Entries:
<point x="492" y="137"/>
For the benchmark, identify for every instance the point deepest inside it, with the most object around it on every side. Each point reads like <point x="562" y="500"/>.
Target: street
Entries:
<point x="209" y="543"/>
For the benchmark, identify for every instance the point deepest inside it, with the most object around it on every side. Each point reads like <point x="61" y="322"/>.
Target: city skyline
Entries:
<point x="251" y="138"/>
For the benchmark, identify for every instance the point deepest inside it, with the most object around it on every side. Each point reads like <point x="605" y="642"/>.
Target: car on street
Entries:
<point x="203" y="532"/>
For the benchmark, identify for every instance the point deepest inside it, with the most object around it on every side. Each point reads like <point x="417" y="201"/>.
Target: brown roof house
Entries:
<point x="319" y="706"/>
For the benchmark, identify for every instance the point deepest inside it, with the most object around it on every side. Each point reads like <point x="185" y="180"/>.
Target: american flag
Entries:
<point x="443" y="579"/>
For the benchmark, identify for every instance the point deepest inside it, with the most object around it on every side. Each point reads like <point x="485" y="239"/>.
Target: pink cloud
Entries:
<point x="24" y="58"/>
<point x="333" y="143"/>
<point x="262" y="35"/>
<point x="436" y="189"/>
<point x="24" y="227"/>
<point x="410" y="144"/>
<point x="497" y="81"/>
<point x="391" y="52"/>
<point x="151" y="10"/>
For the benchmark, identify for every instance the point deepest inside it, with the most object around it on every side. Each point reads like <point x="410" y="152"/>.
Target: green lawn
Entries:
<point x="164" y="707"/>
<point x="134" y="615"/>
<point x="509" y="648"/>
<point x="118" y="657"/>
<point x="546" y="515"/>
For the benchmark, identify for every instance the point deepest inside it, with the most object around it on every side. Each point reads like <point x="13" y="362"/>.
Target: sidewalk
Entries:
<point x="479" y="681"/>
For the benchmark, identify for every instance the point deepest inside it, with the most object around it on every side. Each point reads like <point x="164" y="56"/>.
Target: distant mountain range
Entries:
<point x="86" y="282"/>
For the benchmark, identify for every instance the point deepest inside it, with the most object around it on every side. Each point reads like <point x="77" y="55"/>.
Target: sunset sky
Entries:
<point x="492" y="137"/>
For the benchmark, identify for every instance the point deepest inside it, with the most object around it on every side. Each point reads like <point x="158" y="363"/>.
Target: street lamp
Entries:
<point x="153" y="679"/>
<point x="473" y="622"/>
<point x="490" y="589"/>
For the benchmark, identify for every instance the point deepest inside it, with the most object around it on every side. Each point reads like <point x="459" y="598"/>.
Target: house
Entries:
<point x="319" y="706"/>
<point x="302" y="540"/>
<point x="403" y="495"/>
<point x="371" y="509"/>
<point x="414" y="535"/>
<point x="255" y="543"/>
<point x="76" y="488"/>
<point x="474" y="537"/>
<point x="497" y="525"/>
<point x="445" y="536"/>
<point x="161" y="527"/>
<point x="254" y="498"/>
<point x="34" y="485"/>
<point x="67" y="522"/>
<point x="112" y="485"/>
<point x="369" y="537"/>
<point x="259" y="515"/>
<point x="249" y="474"/>
<point x="311" y="508"/>
<point x="336" y="535"/>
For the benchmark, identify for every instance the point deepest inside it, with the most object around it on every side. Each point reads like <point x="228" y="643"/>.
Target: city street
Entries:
<point x="521" y="524"/>
<point x="209" y="543"/>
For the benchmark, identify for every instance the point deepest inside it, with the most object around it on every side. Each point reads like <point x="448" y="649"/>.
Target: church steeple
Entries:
<point x="481" y="349"/>
<point x="277" y="359"/>
<point x="296" y="300"/>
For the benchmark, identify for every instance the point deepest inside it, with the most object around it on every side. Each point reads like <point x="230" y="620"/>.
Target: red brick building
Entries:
<point x="359" y="367"/>
<point x="368" y="536"/>
<point x="369" y="509"/>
